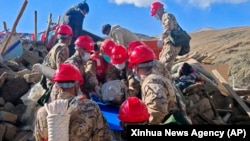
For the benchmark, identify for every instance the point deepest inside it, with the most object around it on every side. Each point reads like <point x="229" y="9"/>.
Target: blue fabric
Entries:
<point x="110" y="113"/>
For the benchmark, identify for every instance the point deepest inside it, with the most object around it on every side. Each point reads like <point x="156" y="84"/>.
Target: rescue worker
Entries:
<point x="134" y="86"/>
<point x="119" y="57"/>
<point x="119" y="34"/>
<point x="169" y="52"/>
<point x="74" y="17"/>
<point x="86" y="120"/>
<point x="100" y="64"/>
<point x="157" y="91"/>
<point x="84" y="47"/>
<point x="132" y="112"/>
<point x="57" y="55"/>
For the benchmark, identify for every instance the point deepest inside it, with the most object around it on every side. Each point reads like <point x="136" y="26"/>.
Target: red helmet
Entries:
<point x="118" y="54"/>
<point x="141" y="54"/>
<point x="133" y="110"/>
<point x="67" y="72"/>
<point x="154" y="7"/>
<point x="134" y="44"/>
<point x="86" y="42"/>
<point x="107" y="46"/>
<point x="65" y="29"/>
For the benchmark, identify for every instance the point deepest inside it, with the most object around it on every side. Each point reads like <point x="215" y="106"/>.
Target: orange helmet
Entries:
<point x="85" y="42"/>
<point x="118" y="54"/>
<point x="133" y="110"/>
<point x="141" y="54"/>
<point x="107" y="46"/>
<point x="67" y="72"/>
<point x="154" y="7"/>
<point x="65" y="30"/>
<point x="134" y="44"/>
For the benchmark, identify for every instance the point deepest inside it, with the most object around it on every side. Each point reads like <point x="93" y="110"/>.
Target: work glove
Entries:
<point x="160" y="43"/>
<point x="37" y="68"/>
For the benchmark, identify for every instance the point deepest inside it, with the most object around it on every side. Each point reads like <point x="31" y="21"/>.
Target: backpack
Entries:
<point x="180" y="37"/>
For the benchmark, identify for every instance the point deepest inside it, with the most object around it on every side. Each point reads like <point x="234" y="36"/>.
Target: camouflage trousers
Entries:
<point x="168" y="55"/>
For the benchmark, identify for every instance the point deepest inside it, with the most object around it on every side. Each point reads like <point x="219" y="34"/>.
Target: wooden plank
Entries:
<point x="243" y="92"/>
<point x="223" y="70"/>
<point x="230" y="90"/>
<point x="35" y="30"/>
<point x="14" y="26"/>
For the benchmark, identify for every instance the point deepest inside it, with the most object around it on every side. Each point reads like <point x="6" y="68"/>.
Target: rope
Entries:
<point x="58" y="120"/>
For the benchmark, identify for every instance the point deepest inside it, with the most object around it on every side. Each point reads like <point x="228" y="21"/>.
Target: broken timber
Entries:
<point x="233" y="93"/>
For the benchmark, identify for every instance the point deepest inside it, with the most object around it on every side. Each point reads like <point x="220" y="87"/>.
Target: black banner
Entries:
<point x="194" y="132"/>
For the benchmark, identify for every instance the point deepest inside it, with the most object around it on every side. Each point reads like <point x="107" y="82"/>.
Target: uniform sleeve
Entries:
<point x="41" y="130"/>
<point x="62" y="55"/>
<point x="90" y="73"/>
<point x="155" y="98"/>
<point x="168" y="23"/>
<point x="118" y="38"/>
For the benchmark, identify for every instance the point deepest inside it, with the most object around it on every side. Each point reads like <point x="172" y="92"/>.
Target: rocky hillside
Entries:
<point x="229" y="46"/>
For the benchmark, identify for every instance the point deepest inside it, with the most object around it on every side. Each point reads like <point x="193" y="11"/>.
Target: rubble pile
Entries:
<point x="17" y="78"/>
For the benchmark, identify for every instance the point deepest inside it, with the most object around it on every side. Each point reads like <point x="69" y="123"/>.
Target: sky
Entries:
<point x="131" y="14"/>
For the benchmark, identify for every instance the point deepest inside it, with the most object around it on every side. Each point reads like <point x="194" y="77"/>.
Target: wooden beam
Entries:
<point x="232" y="92"/>
<point x="35" y="22"/>
<point x="47" y="30"/>
<point x="14" y="26"/>
<point x="5" y="27"/>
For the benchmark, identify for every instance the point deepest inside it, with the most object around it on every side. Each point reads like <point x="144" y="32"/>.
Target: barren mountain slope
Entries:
<point x="230" y="46"/>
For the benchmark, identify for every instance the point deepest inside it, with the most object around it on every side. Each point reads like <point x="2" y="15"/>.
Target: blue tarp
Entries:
<point x="110" y="113"/>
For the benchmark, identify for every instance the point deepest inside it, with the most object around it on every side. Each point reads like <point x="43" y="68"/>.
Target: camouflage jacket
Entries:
<point x="86" y="122"/>
<point x="169" y="23"/>
<point x="159" y="95"/>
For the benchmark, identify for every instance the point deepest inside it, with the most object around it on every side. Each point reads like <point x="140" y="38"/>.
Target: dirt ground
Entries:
<point x="230" y="46"/>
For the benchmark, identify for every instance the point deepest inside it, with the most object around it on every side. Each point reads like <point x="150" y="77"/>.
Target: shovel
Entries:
<point x="13" y="30"/>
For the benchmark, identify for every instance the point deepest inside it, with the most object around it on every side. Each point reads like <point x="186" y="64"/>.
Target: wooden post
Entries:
<point x="47" y="30"/>
<point x="58" y="20"/>
<point x="232" y="92"/>
<point x="35" y="33"/>
<point x="14" y="26"/>
<point x="5" y="27"/>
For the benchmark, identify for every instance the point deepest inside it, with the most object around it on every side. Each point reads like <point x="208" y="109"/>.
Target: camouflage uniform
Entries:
<point x="90" y="80"/>
<point x="57" y="55"/>
<point x="159" y="95"/>
<point x="86" y="122"/>
<point x="158" y="66"/>
<point x="134" y="85"/>
<point x="168" y="53"/>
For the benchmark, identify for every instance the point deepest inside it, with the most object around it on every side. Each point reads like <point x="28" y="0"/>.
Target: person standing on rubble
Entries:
<point x="119" y="34"/>
<point x="157" y="92"/>
<point x="74" y="17"/>
<point x="70" y="117"/>
<point x="132" y="112"/>
<point x="57" y="55"/>
<point x="168" y="53"/>
<point x="84" y="47"/>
